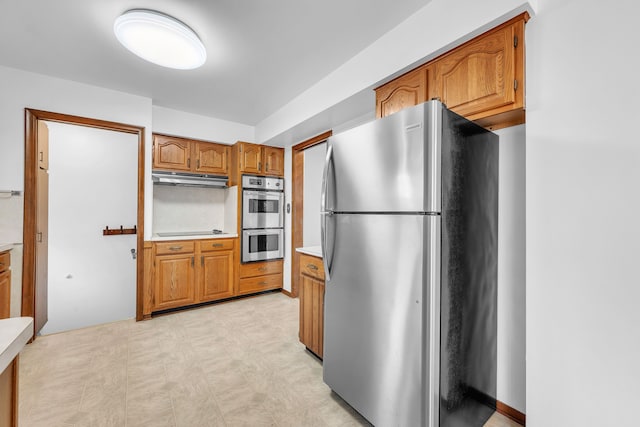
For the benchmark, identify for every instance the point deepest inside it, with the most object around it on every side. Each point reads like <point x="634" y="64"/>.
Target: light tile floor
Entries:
<point x="232" y="364"/>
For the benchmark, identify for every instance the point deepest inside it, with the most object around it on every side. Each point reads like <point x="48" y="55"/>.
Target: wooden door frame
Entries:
<point x="297" y="197"/>
<point x="32" y="117"/>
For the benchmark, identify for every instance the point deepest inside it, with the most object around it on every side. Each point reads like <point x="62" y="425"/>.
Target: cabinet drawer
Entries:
<point x="5" y="261"/>
<point x="180" y="247"/>
<point x="260" y="268"/>
<point x="216" y="245"/>
<point x="311" y="266"/>
<point x="261" y="283"/>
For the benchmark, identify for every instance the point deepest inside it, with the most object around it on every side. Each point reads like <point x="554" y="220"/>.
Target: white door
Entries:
<point x="92" y="184"/>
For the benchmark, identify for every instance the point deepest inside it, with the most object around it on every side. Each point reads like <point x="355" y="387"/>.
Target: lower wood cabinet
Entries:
<point x="216" y="273"/>
<point x="189" y="272"/>
<point x="260" y="276"/>
<point x="312" y="304"/>
<point x="9" y="395"/>
<point x="5" y="285"/>
<point x="174" y="275"/>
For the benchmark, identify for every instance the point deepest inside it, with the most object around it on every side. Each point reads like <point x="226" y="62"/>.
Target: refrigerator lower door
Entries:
<point x="382" y="317"/>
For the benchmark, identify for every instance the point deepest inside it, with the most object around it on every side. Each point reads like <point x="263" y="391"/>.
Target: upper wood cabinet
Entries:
<point x="260" y="159"/>
<point x="211" y="158"/>
<point x="250" y="157"/>
<point x="186" y="155"/>
<point x="482" y="80"/>
<point x="273" y="160"/>
<point x="171" y="153"/>
<point x="408" y="90"/>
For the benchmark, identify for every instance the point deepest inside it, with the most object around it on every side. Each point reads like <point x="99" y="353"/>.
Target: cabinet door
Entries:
<point x="43" y="145"/>
<point x="5" y="294"/>
<point x="312" y="314"/>
<point x="405" y="91"/>
<point x="211" y="158"/>
<point x="273" y="160"/>
<point x="479" y="77"/>
<point x="250" y="158"/>
<point x="171" y="153"/>
<point x="216" y="275"/>
<point x="174" y="281"/>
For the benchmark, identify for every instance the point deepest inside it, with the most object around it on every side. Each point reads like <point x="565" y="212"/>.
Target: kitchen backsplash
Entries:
<point x="11" y="208"/>
<point x="188" y="208"/>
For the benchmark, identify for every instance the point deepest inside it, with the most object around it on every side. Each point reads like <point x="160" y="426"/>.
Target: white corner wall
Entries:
<point x="511" y="268"/>
<point x="583" y="233"/>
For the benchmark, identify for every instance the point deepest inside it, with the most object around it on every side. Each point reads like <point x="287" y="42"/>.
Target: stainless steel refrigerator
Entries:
<point x="409" y="240"/>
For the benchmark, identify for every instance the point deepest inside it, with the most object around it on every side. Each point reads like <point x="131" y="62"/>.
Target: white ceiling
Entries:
<point x="261" y="54"/>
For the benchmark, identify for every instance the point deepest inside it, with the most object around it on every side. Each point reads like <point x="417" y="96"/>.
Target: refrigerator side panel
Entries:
<point x="384" y="165"/>
<point x="469" y="273"/>
<point x="374" y="313"/>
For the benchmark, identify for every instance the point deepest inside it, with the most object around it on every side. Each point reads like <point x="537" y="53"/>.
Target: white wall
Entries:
<point x="583" y="233"/>
<point x="93" y="176"/>
<point x="22" y="90"/>
<point x="313" y="166"/>
<point x="424" y="35"/>
<point x="189" y="209"/>
<point x="188" y="125"/>
<point x="511" y="268"/>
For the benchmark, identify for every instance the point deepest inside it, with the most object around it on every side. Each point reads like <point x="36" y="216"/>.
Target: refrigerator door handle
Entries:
<point x="326" y="215"/>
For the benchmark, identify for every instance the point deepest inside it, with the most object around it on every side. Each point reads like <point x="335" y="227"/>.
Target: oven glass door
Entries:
<point x="262" y="209"/>
<point x="259" y="245"/>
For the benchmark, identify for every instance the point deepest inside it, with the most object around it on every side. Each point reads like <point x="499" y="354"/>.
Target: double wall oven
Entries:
<point x="262" y="218"/>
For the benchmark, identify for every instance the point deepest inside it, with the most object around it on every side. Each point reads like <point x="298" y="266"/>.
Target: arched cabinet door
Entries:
<point x="171" y="153"/>
<point x="479" y="76"/>
<point x="405" y="91"/>
<point x="211" y="158"/>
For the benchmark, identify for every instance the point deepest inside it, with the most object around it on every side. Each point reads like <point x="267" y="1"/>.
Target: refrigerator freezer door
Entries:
<point x="381" y="338"/>
<point x="388" y="165"/>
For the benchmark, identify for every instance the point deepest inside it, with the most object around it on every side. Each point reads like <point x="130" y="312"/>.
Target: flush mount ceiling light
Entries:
<point x="160" y="39"/>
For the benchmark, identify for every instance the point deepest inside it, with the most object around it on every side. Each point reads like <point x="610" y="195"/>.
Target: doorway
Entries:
<point x="36" y="230"/>
<point x="298" y="203"/>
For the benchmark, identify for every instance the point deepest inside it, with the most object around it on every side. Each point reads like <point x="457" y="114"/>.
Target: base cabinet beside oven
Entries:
<point x="260" y="276"/>
<point x="187" y="272"/>
<point x="312" y="303"/>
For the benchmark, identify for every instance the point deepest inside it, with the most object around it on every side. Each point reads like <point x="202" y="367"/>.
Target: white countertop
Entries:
<point x="5" y="246"/>
<point x="15" y="332"/>
<point x="156" y="238"/>
<point x="311" y="250"/>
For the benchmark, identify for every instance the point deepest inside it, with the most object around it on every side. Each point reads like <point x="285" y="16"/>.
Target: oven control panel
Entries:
<point x="262" y="183"/>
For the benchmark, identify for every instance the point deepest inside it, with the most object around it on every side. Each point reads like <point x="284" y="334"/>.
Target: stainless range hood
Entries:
<point x="189" y="179"/>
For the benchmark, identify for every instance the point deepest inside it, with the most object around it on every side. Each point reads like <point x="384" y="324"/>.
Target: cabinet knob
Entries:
<point x="312" y="267"/>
